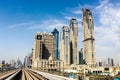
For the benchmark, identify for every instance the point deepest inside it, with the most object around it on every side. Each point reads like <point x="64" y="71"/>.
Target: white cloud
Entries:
<point x="44" y="25"/>
<point x="20" y="25"/>
<point x="70" y="17"/>
<point x="67" y="17"/>
<point x="77" y="12"/>
<point x="108" y="30"/>
<point x="102" y="3"/>
<point x="48" y="25"/>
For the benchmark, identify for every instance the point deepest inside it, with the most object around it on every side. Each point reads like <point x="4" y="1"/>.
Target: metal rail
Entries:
<point x="51" y="76"/>
<point x="8" y="75"/>
<point x="30" y="75"/>
<point x="40" y="77"/>
<point x="13" y="75"/>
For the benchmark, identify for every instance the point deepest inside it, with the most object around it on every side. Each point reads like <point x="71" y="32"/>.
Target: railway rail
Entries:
<point x="29" y="74"/>
<point x="15" y="75"/>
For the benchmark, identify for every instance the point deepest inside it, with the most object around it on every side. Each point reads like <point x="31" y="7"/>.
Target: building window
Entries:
<point x="89" y="23"/>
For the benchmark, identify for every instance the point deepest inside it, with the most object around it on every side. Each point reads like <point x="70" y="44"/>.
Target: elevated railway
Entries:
<point x="29" y="74"/>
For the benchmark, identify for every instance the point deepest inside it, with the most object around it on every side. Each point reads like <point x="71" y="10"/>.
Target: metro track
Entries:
<point x="30" y="74"/>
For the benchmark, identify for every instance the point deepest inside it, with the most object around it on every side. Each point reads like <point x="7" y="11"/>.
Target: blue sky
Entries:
<point x="21" y="19"/>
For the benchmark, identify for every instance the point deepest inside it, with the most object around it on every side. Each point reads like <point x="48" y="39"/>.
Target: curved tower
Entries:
<point x="88" y="38"/>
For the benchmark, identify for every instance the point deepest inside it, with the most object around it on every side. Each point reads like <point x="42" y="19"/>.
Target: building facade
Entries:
<point x="74" y="41"/>
<point x="109" y="62"/>
<point x="64" y="45"/>
<point x="81" y="61"/>
<point x="50" y="65"/>
<point x="88" y="38"/>
<point x="25" y="61"/>
<point x="43" y="47"/>
<point x="43" y="53"/>
<point x="56" y="43"/>
<point x="112" y="62"/>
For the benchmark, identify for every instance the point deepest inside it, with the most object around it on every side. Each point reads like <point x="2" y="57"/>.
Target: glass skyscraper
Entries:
<point x="56" y="43"/>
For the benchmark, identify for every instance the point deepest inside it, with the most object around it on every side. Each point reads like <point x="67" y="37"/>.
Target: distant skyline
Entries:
<point x="21" y="19"/>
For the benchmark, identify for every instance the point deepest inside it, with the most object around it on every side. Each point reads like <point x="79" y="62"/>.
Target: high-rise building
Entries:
<point x="29" y="60"/>
<point x="19" y="62"/>
<point x="88" y="38"/>
<point x="64" y="45"/>
<point x="81" y="61"/>
<point x="112" y="62"/>
<point x="43" y="46"/>
<point x="56" y="43"/>
<point x="25" y="61"/>
<point x="3" y="62"/>
<point x="109" y="62"/>
<point x="43" y="53"/>
<point x="74" y="41"/>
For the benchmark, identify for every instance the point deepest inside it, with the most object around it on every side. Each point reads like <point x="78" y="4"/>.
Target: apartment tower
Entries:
<point x="64" y="45"/>
<point x="88" y="38"/>
<point x="74" y="41"/>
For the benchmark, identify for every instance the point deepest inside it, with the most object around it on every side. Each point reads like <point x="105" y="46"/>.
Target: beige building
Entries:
<point x="74" y="41"/>
<point x="43" y="46"/>
<point x="43" y="53"/>
<point x="64" y="46"/>
<point x="88" y="38"/>
<point x="50" y="65"/>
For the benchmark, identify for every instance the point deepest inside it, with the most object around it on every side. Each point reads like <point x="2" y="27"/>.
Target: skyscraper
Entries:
<point x="109" y="62"/>
<point x="64" y="45"/>
<point x="74" y="41"/>
<point x="81" y="61"/>
<point x="43" y="53"/>
<point x="112" y="62"/>
<point x="25" y="61"/>
<point x="56" y="42"/>
<point x="88" y="38"/>
<point x="43" y="47"/>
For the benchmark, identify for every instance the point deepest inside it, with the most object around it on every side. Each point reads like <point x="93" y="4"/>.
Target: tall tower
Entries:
<point x="56" y="42"/>
<point x="112" y="62"/>
<point x="88" y="38"/>
<point x="74" y="41"/>
<point x="81" y="61"/>
<point x="109" y="62"/>
<point x="64" y="45"/>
